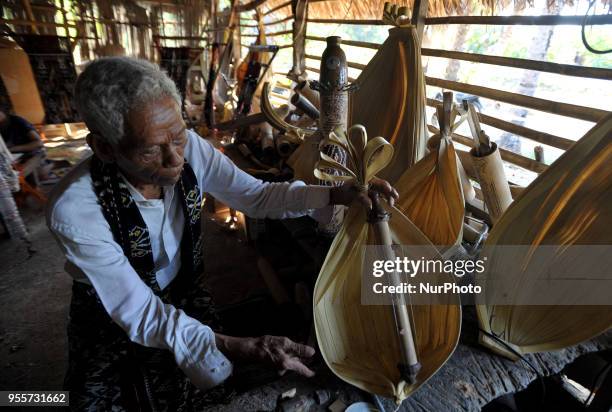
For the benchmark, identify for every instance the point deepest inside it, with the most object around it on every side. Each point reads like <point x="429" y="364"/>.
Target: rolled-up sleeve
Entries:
<point x="226" y="182"/>
<point x="136" y="309"/>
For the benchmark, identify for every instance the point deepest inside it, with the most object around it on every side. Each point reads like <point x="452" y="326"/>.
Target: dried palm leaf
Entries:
<point x="390" y="99"/>
<point x="360" y="342"/>
<point x="432" y="191"/>
<point x="568" y="204"/>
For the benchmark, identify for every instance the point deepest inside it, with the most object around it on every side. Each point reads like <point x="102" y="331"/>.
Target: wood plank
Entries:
<point x="272" y="23"/>
<point x="541" y="66"/>
<point x="241" y="8"/>
<point x="590" y="114"/>
<point x="37" y="23"/>
<point x="419" y="13"/>
<point x="343" y="21"/>
<point x="507" y="155"/>
<point x="313" y="69"/>
<point x="279" y="33"/>
<point x="541" y="137"/>
<point x="349" y="64"/>
<point x="28" y="8"/>
<point x="364" y="44"/>
<point x="553" y="20"/>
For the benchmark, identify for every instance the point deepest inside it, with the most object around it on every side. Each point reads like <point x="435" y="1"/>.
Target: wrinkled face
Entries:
<point x="151" y="152"/>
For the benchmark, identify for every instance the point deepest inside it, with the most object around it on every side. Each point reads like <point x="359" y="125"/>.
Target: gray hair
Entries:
<point x="110" y="87"/>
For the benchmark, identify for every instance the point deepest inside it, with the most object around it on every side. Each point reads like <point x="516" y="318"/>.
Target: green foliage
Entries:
<point x="480" y="38"/>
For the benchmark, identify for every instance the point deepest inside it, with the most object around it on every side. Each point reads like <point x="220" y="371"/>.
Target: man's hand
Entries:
<point x="280" y="352"/>
<point x="347" y="194"/>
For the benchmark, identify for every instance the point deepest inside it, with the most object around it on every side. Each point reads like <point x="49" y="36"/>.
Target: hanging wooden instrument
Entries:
<point x="361" y="343"/>
<point x="568" y="205"/>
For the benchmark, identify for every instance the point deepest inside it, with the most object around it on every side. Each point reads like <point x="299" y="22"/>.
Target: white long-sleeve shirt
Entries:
<point x="75" y="218"/>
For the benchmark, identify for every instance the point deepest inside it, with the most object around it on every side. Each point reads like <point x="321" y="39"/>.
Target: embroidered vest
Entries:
<point x="131" y="233"/>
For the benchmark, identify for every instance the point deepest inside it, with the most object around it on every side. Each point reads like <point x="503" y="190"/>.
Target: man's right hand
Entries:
<point x="280" y="352"/>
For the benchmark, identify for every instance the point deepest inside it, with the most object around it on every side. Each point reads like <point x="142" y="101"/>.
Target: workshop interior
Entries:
<point x="474" y="135"/>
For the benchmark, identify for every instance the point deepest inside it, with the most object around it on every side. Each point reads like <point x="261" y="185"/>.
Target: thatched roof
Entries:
<point x="372" y="9"/>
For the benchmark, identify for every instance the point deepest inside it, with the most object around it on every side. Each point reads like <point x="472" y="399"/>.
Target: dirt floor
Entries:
<point x="35" y="294"/>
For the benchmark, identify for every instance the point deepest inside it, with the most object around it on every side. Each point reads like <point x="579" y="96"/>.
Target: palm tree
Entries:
<point x="538" y="48"/>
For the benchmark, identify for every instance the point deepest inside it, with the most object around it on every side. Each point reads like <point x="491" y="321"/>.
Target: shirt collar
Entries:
<point x="139" y="198"/>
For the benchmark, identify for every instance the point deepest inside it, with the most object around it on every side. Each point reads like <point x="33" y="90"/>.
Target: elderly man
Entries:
<point x="128" y="221"/>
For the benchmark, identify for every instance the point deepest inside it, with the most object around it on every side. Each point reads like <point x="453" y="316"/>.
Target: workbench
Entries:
<point x="470" y="379"/>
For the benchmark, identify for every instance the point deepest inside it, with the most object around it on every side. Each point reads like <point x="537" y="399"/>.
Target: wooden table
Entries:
<point x="470" y="379"/>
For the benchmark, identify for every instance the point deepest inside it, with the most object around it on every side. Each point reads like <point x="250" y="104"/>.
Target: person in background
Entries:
<point x="9" y="183"/>
<point x="20" y="136"/>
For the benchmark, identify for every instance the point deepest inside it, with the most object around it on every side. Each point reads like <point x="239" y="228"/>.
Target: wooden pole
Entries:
<point x="419" y="13"/>
<point x="28" y="9"/>
<point x="538" y="153"/>
<point x="564" y="109"/>
<point x="364" y="44"/>
<point x="548" y="67"/>
<point x="299" y="9"/>
<point x="35" y="23"/>
<point x="540" y="137"/>
<point x="64" y="18"/>
<point x="552" y="20"/>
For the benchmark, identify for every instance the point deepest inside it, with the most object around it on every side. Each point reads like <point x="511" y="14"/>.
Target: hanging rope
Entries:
<point x="584" y="39"/>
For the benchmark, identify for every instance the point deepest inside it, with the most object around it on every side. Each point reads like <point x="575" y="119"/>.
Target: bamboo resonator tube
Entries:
<point x="304" y="105"/>
<point x="378" y="218"/>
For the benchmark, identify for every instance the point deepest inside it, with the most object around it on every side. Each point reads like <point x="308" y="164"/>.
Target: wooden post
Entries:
<point x="163" y="25"/>
<point x="419" y="13"/>
<point x="65" y="19"/>
<point x="299" y="9"/>
<point x="28" y="9"/>
<point x="95" y="25"/>
<point x="538" y="153"/>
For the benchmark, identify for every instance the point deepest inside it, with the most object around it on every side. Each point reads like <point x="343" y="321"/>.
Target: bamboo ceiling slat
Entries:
<point x="280" y="6"/>
<point x="546" y="20"/>
<point x="541" y="66"/>
<point x="590" y="114"/>
<point x="540" y="137"/>
<point x="343" y="21"/>
<point x="180" y="38"/>
<point x="271" y="23"/>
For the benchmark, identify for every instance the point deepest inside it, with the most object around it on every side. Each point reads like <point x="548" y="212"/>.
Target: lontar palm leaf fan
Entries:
<point x="566" y="206"/>
<point x="390" y="97"/>
<point x="361" y="343"/>
<point x="431" y="191"/>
